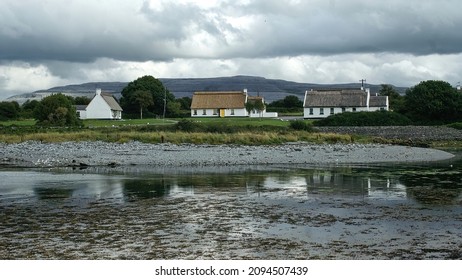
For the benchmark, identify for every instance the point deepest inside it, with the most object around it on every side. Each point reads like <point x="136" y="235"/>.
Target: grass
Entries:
<point x="123" y="122"/>
<point x="28" y="122"/>
<point x="243" y="121"/>
<point x="248" y="131"/>
<point x="244" y="138"/>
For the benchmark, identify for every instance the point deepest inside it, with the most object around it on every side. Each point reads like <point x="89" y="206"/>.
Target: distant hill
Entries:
<point x="270" y="89"/>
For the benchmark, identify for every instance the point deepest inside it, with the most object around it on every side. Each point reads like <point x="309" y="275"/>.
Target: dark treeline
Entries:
<point x="429" y="102"/>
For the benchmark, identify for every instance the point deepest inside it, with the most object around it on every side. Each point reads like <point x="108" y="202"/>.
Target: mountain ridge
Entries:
<point x="270" y="89"/>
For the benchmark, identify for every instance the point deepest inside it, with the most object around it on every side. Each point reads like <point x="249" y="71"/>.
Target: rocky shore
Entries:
<point x="36" y="154"/>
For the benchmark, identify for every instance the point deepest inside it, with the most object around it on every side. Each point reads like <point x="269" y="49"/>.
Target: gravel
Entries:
<point x="36" y="154"/>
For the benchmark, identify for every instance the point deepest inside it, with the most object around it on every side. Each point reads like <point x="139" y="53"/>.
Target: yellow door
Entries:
<point x="222" y="113"/>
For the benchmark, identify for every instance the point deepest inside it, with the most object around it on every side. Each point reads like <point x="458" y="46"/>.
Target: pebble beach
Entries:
<point x="36" y="154"/>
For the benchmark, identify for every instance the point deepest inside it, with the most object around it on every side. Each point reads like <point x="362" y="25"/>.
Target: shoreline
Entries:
<point x="85" y="154"/>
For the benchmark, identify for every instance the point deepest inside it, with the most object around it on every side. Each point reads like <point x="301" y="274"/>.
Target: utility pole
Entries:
<point x="362" y="83"/>
<point x="165" y="103"/>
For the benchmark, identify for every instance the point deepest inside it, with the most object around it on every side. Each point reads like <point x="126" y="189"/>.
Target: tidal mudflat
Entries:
<point x="387" y="211"/>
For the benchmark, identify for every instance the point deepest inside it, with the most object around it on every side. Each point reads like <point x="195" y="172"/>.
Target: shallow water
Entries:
<point x="280" y="212"/>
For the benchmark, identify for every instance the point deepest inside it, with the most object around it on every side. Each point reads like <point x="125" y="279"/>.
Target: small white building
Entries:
<point x="323" y="103"/>
<point x="102" y="106"/>
<point x="225" y="104"/>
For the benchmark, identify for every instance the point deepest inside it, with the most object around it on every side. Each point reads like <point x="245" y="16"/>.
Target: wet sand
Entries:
<point x="229" y="224"/>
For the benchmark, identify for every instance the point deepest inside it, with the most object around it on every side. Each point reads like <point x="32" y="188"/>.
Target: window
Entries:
<point x="331" y="111"/>
<point x="195" y="113"/>
<point x="204" y="112"/>
<point x="354" y="109"/>
<point x="215" y="112"/>
<point x="232" y="112"/>
<point x="321" y="111"/>
<point x="343" y="110"/>
<point x="311" y="111"/>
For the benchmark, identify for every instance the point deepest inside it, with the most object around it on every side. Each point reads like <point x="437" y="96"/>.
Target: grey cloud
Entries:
<point x="58" y="30"/>
<point x="72" y="31"/>
<point x="335" y="27"/>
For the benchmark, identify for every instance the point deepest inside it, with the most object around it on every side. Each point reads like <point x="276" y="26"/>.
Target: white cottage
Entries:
<point x="323" y="103"/>
<point x="225" y="104"/>
<point x="102" y="106"/>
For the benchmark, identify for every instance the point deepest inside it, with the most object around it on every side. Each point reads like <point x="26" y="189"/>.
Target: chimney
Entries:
<point x="98" y="91"/>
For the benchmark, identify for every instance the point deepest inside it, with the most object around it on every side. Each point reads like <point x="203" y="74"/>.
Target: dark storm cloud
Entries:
<point x="164" y="30"/>
<point x="336" y="27"/>
<point x="73" y="31"/>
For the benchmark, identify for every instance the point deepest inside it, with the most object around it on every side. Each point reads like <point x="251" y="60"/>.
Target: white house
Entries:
<point x="225" y="104"/>
<point x="102" y="106"/>
<point x="323" y="103"/>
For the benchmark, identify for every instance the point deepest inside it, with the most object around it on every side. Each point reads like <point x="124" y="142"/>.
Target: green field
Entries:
<point x="123" y="122"/>
<point x="28" y="122"/>
<point x="243" y="121"/>
<point x="127" y="122"/>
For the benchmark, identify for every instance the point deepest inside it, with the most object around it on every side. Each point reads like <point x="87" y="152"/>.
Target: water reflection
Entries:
<point x="423" y="184"/>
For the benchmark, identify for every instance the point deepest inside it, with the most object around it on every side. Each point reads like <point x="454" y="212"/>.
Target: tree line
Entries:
<point x="429" y="102"/>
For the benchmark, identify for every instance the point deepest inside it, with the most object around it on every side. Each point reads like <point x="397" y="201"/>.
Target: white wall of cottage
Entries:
<point x="99" y="109"/>
<point x="326" y="111"/>
<point x="216" y="113"/>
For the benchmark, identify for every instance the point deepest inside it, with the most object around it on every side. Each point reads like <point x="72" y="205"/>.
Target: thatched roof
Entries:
<point x="253" y="99"/>
<point x="219" y="100"/>
<point x="378" y="101"/>
<point x="110" y="100"/>
<point x="336" y="98"/>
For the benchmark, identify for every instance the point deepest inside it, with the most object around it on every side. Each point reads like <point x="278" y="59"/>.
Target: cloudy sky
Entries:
<point x="46" y="43"/>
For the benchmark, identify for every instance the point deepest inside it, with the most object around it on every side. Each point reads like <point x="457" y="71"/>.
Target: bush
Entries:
<point x="56" y="110"/>
<point x="457" y="125"/>
<point x="301" y="125"/>
<point x="188" y="126"/>
<point x="378" y="118"/>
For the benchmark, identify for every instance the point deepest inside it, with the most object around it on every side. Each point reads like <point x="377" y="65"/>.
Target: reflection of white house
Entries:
<point x="102" y="106"/>
<point x="323" y="103"/>
<point x="225" y="104"/>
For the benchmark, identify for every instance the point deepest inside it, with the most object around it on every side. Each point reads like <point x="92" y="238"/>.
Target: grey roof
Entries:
<point x="110" y="100"/>
<point x="80" y="107"/>
<point x="336" y="98"/>
<point x="378" y="101"/>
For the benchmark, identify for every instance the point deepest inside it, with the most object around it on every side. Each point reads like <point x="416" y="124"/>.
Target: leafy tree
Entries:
<point x="433" y="101"/>
<point x="255" y="105"/>
<point x="9" y="110"/>
<point x="174" y="109"/>
<point x="82" y="100"/>
<point x="56" y="110"/>
<point x="289" y="103"/>
<point x="28" y="107"/>
<point x="249" y="106"/>
<point x="154" y="87"/>
<point x="396" y="101"/>
<point x="185" y="102"/>
<point x="143" y="98"/>
<point x="259" y="106"/>
<point x="292" y="101"/>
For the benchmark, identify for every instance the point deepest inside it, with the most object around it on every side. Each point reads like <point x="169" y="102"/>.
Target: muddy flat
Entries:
<point x="343" y="212"/>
